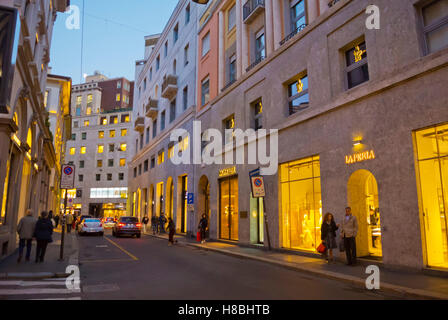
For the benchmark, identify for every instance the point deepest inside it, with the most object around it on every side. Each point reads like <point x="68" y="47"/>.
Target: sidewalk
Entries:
<point x="50" y="268"/>
<point x="407" y="284"/>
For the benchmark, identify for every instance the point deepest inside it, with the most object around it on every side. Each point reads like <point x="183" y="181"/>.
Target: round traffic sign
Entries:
<point x="68" y="170"/>
<point x="258" y="182"/>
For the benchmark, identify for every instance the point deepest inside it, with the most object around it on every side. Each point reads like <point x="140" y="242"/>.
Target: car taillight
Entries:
<point x="85" y="225"/>
<point x="138" y="225"/>
<point x="101" y="224"/>
<point x="121" y="224"/>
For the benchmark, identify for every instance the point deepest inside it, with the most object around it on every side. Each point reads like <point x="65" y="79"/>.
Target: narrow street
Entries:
<point x="147" y="268"/>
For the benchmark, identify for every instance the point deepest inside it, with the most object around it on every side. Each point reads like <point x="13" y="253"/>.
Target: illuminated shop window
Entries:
<point x="432" y="166"/>
<point x="301" y="204"/>
<point x="108" y="193"/>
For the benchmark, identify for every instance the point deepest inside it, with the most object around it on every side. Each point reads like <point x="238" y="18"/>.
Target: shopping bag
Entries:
<point x="198" y="236"/>
<point x="321" y="248"/>
<point x="341" y="245"/>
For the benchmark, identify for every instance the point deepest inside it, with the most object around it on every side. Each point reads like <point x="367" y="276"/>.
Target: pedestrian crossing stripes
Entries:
<point x="42" y="289"/>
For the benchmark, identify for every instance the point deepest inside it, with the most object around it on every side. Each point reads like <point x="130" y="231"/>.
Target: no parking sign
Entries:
<point x="257" y="186"/>
<point x="67" y="177"/>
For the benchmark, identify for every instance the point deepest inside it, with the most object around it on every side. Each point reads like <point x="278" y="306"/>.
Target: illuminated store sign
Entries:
<point x="360" y="157"/>
<point x="227" y="172"/>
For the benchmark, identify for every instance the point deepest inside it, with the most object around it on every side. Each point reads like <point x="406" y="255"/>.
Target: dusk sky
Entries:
<point x="113" y="36"/>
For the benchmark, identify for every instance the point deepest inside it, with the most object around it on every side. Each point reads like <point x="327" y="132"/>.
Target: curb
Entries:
<point x="385" y="287"/>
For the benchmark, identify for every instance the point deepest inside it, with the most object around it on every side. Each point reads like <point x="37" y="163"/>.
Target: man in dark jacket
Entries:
<point x="203" y="227"/>
<point x="162" y="222"/>
<point x="43" y="233"/>
<point x="171" y="229"/>
<point x="25" y="229"/>
<point x="154" y="223"/>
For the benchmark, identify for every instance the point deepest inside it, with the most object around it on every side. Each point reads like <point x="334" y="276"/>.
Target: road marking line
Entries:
<point x="122" y="249"/>
<point x="107" y="260"/>
<point x="9" y="292"/>
<point x="74" y="298"/>
<point x="31" y="283"/>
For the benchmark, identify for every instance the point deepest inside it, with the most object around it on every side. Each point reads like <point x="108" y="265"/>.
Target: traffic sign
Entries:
<point x="257" y="187"/>
<point x="67" y="177"/>
<point x="190" y="198"/>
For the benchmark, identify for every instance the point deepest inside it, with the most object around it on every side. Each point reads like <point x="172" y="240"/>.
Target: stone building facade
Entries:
<point x="25" y="137"/>
<point x="361" y="117"/>
<point x="100" y="146"/>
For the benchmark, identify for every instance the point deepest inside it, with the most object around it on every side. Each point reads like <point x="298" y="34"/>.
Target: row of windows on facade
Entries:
<point x="172" y="117"/>
<point x="100" y="148"/>
<point x="435" y="29"/>
<point x="104" y="121"/>
<point x="109" y="177"/>
<point x="112" y="134"/>
<point x="182" y="145"/>
<point x="175" y="38"/>
<point x="99" y="163"/>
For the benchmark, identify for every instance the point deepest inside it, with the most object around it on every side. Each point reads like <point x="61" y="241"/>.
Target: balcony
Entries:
<point x="257" y="61"/>
<point x="139" y="124"/>
<point x="251" y="9"/>
<point x="169" y="87"/>
<point x="152" y="108"/>
<point x="292" y="34"/>
<point x="332" y="3"/>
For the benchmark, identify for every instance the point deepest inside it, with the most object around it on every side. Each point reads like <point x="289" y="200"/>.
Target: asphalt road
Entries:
<point x="147" y="268"/>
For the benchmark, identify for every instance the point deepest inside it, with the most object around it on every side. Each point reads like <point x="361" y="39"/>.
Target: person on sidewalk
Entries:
<point x="154" y="223"/>
<point x="43" y="233"/>
<point x="328" y="235"/>
<point x="56" y="220"/>
<point x="162" y="222"/>
<point x="348" y="233"/>
<point x="145" y="221"/>
<point x="69" y="222"/>
<point x="25" y="229"/>
<point x="171" y="229"/>
<point x="203" y="223"/>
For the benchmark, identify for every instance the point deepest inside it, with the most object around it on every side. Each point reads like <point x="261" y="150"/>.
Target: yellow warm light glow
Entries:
<point x="124" y="132"/>
<point x="86" y="123"/>
<point x="28" y="156"/>
<point x="122" y="162"/>
<point x="100" y="134"/>
<point x="72" y="151"/>
<point x="104" y="122"/>
<point x="123" y="147"/>
<point x="360" y="157"/>
<point x="36" y="167"/>
<point x="16" y="139"/>
<point x="112" y="133"/>
<point x="358" y="54"/>
<point x="83" y="150"/>
<point x="100" y="148"/>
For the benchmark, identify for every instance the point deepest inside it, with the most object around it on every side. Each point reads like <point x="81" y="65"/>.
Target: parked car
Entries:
<point x="127" y="225"/>
<point x="108" y="222"/>
<point x="80" y="219"/>
<point x="91" y="225"/>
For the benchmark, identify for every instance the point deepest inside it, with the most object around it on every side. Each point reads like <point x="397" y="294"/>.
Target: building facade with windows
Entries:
<point x="362" y="120"/>
<point x="164" y="101"/>
<point x="26" y="143"/>
<point x="99" y="145"/>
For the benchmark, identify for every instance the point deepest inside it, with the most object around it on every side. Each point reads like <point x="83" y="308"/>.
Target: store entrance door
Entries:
<point x="228" y="208"/>
<point x="362" y="191"/>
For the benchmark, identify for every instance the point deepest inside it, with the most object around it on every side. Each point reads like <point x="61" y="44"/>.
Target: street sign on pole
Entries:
<point x="67" y="176"/>
<point x="190" y="198"/>
<point x="257" y="187"/>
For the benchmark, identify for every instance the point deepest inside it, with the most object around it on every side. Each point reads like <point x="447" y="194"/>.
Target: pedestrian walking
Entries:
<point x="25" y="229"/>
<point x="171" y="229"/>
<point x="145" y="221"/>
<point x="348" y="233"/>
<point x="43" y="233"/>
<point x="162" y="222"/>
<point x="203" y="223"/>
<point x="154" y="223"/>
<point x="69" y="222"/>
<point x="56" y="220"/>
<point x="328" y="235"/>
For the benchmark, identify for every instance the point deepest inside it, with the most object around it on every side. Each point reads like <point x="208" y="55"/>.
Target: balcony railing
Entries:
<point x="139" y="124"/>
<point x="251" y="9"/>
<point x="255" y="63"/>
<point x="152" y="108"/>
<point x="228" y="85"/>
<point x="169" y="87"/>
<point x="332" y="3"/>
<point x="292" y="34"/>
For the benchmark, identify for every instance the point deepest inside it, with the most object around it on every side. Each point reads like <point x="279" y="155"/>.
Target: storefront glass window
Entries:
<point x="301" y="205"/>
<point x="228" y="205"/>
<point x="432" y="162"/>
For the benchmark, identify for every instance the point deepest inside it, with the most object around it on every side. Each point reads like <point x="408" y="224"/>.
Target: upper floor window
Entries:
<point x="144" y="81"/>
<point x="124" y="132"/>
<point x="118" y="84"/>
<point x="187" y="14"/>
<point x="166" y="48"/>
<point x="229" y="127"/>
<point x="187" y="47"/>
<point x="154" y="128"/>
<point x="435" y="25"/>
<point x="158" y="63"/>
<point x="185" y="98"/>
<point x="205" y="91"/>
<point x="231" y="18"/>
<point x="118" y="97"/>
<point x="75" y="124"/>
<point x="232" y="68"/>
<point x="176" y="33"/>
<point x="172" y="110"/>
<point x="162" y="121"/>
<point x="257" y="109"/>
<point x="357" y="70"/>
<point x="78" y="100"/>
<point x="260" y="53"/>
<point x="161" y="157"/>
<point x="206" y="44"/>
<point x="78" y="111"/>
<point x="298" y="96"/>
<point x="298" y="15"/>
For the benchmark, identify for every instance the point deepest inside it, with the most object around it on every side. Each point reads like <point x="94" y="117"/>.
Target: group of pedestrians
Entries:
<point x="347" y="243"/>
<point x="158" y="223"/>
<point x="30" y="228"/>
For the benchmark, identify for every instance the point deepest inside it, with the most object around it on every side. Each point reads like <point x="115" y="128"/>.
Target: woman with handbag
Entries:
<point x="328" y="235"/>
